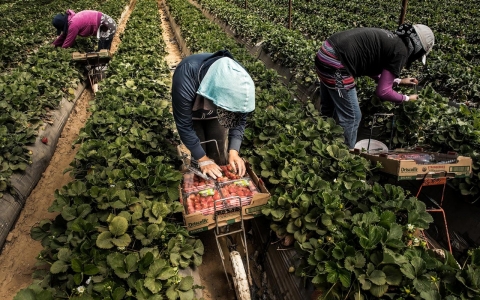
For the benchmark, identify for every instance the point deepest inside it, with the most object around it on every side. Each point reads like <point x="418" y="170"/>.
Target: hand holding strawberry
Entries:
<point x="234" y="160"/>
<point x="228" y="174"/>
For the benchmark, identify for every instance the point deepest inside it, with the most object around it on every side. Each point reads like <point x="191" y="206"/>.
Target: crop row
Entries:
<point x="454" y="18"/>
<point x="457" y="41"/>
<point x="356" y="240"/>
<point x="114" y="237"/>
<point x="29" y="91"/>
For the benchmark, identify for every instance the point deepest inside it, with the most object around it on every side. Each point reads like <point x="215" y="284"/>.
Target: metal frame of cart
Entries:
<point x="96" y="65"/>
<point x="429" y="179"/>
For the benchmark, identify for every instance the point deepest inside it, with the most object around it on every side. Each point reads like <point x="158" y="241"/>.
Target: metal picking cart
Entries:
<point x="432" y="168"/>
<point x="95" y="63"/>
<point x="242" y="280"/>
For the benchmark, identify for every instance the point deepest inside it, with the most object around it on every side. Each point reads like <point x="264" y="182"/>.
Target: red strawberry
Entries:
<point x="45" y="140"/>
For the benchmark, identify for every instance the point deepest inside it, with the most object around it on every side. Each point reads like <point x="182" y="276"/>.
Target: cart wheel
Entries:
<point x="240" y="280"/>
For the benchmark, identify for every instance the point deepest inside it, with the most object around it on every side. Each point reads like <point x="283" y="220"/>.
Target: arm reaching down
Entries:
<point x="385" y="90"/>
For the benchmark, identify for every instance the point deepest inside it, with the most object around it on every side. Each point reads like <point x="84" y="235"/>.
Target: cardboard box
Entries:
<point x="103" y="55"/>
<point x="79" y="56"/>
<point x="409" y="169"/>
<point x="198" y="222"/>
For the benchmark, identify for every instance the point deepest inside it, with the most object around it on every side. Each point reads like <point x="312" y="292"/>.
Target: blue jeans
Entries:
<point x="344" y="105"/>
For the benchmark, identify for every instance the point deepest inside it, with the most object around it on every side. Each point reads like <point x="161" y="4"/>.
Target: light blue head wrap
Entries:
<point x="229" y="86"/>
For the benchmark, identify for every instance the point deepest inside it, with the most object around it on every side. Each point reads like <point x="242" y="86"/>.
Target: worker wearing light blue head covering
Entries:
<point x="229" y="86"/>
<point x="211" y="97"/>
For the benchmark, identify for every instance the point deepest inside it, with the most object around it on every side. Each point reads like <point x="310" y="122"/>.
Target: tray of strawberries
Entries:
<point x="243" y="188"/>
<point x="202" y="201"/>
<point x="194" y="183"/>
<point x="199" y="194"/>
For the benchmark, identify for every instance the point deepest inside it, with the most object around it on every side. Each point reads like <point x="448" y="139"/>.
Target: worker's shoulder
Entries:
<point x="197" y="57"/>
<point x="194" y="60"/>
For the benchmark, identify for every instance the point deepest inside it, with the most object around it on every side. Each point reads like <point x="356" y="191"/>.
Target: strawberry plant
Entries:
<point x="115" y="235"/>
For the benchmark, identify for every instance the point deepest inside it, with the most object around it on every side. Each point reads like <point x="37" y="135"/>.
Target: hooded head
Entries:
<point x="229" y="86"/>
<point x="419" y="40"/>
<point x="425" y="34"/>
<point x="60" y="21"/>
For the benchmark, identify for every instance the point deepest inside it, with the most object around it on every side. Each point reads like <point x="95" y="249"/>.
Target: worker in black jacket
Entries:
<point x="211" y="97"/>
<point x="378" y="53"/>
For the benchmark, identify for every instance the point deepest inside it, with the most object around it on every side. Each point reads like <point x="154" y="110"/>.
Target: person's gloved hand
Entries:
<point x="209" y="167"/>
<point x="413" y="97"/>
<point x="235" y="161"/>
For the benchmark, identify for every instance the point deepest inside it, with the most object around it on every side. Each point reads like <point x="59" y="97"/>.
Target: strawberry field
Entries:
<point x="118" y="231"/>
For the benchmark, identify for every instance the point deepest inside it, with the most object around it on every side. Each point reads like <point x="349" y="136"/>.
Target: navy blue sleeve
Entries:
<point x="235" y="135"/>
<point x="185" y="83"/>
<point x="184" y="91"/>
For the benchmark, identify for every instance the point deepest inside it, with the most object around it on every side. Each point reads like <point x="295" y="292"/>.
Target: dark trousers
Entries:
<point x="212" y="130"/>
<point x="104" y="44"/>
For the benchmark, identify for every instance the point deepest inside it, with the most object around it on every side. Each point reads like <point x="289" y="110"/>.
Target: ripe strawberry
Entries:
<point x="45" y="140"/>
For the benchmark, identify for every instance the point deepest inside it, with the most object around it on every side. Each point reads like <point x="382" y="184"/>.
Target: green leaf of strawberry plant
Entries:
<point x="118" y="226"/>
<point x="104" y="240"/>
<point x="58" y="266"/>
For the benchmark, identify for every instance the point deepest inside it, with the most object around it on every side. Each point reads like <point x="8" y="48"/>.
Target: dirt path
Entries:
<point x="18" y="257"/>
<point x="17" y="261"/>
<point x="174" y="55"/>
<point x="121" y="26"/>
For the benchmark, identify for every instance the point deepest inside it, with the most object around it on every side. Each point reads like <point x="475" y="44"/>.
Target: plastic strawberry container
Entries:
<point x="193" y="183"/>
<point x="244" y="188"/>
<point x="202" y="201"/>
